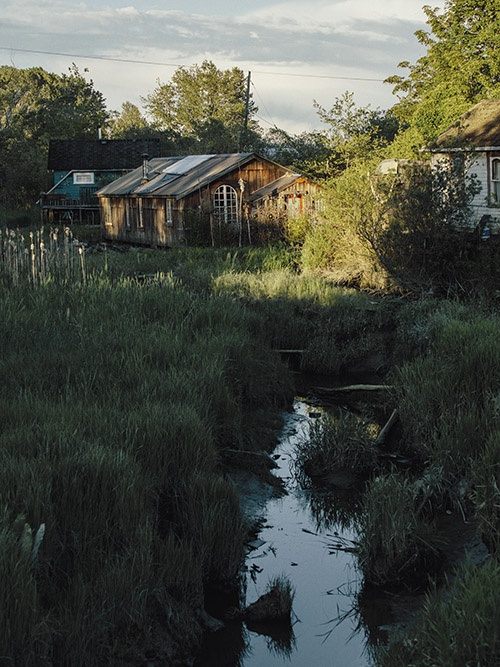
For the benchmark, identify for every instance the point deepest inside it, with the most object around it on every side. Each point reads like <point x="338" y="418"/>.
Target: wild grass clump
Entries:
<point x="117" y="398"/>
<point x="275" y="605"/>
<point x="486" y="494"/>
<point x="458" y="625"/>
<point x="39" y="257"/>
<point x="24" y="627"/>
<point x="396" y="541"/>
<point x="447" y="398"/>
<point x="342" y="442"/>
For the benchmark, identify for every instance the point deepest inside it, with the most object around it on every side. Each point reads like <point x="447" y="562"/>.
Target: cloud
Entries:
<point x="343" y="38"/>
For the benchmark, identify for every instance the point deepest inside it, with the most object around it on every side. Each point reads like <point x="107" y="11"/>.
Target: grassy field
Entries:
<point x="129" y="375"/>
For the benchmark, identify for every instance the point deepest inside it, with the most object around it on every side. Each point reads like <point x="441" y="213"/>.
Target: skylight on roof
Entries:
<point x="185" y="165"/>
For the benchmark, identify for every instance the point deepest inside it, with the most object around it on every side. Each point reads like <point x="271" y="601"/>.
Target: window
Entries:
<point x="140" y="215"/>
<point x="226" y="204"/>
<point x="169" y="218"/>
<point x="495" y="180"/>
<point x="83" y="178"/>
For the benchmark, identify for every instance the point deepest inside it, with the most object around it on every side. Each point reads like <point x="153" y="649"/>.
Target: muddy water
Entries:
<point x="303" y="536"/>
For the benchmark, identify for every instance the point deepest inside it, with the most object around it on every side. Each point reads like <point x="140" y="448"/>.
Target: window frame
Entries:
<point x="495" y="180"/>
<point x="83" y="178"/>
<point x="225" y="203"/>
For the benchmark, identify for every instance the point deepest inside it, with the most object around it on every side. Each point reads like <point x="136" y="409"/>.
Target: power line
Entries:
<point x="162" y="64"/>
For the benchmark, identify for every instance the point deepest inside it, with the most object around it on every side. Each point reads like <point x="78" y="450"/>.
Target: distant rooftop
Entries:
<point x="477" y="128"/>
<point x="99" y="154"/>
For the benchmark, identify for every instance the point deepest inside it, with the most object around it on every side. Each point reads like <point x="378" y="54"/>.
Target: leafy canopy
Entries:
<point x="206" y="105"/>
<point x="461" y="66"/>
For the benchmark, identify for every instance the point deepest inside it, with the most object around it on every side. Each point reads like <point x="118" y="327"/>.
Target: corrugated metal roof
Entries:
<point x="477" y="128"/>
<point x="276" y="186"/>
<point x="178" y="176"/>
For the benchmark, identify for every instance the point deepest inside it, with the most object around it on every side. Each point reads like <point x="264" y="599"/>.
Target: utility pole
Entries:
<point x="245" y="119"/>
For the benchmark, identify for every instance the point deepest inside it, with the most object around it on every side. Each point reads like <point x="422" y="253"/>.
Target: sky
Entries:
<point x="296" y="52"/>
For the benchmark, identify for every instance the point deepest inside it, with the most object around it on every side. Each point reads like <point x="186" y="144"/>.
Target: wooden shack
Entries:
<point x="212" y="198"/>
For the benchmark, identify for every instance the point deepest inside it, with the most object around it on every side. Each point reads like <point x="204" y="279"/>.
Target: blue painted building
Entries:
<point x="80" y="168"/>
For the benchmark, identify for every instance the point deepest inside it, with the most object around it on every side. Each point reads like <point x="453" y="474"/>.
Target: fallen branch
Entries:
<point x="352" y="388"/>
<point x="390" y="423"/>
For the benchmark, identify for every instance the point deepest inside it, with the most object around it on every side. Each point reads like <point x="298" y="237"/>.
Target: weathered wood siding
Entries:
<point x="301" y="198"/>
<point x="142" y="220"/>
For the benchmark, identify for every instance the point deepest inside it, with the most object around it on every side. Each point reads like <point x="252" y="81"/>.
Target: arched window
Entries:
<point x="226" y="204"/>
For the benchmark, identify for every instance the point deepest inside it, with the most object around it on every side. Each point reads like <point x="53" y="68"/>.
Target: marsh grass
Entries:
<point x="41" y="256"/>
<point x="447" y="399"/>
<point x="117" y="398"/>
<point x="486" y="485"/>
<point x="337" y="442"/>
<point x="334" y="326"/>
<point x="396" y="541"/>
<point x="458" y="626"/>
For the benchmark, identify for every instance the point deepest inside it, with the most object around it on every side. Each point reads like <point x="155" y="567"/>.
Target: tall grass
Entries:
<point x="396" y="540"/>
<point x="38" y="256"/>
<point x="459" y="626"/>
<point x="447" y="398"/>
<point x="342" y="442"/>
<point x="117" y="398"/>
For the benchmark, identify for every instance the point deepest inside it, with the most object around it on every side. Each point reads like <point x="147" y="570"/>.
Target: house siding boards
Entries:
<point x="103" y="161"/>
<point x="476" y="136"/>
<point x="176" y="193"/>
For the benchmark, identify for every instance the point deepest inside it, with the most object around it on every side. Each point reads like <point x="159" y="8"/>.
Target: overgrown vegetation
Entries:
<point x="129" y="379"/>
<point x="117" y="400"/>
<point x="457" y="627"/>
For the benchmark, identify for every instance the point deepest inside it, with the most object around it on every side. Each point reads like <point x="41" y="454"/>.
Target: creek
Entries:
<point x="304" y="535"/>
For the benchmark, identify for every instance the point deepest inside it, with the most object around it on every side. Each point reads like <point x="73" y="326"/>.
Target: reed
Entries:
<point x="459" y="625"/>
<point x="40" y="256"/>
<point x="396" y="542"/>
<point x="337" y="442"/>
<point x="116" y="398"/>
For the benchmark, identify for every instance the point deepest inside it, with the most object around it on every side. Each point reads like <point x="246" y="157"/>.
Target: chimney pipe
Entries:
<point x="145" y="158"/>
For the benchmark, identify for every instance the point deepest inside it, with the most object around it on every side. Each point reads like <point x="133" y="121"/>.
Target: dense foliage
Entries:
<point x="36" y="106"/>
<point x="209" y="109"/>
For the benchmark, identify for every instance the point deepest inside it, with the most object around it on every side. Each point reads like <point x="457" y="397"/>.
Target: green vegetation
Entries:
<point x="118" y="399"/>
<point x="457" y="627"/>
<point x="129" y="377"/>
<point x="343" y="442"/>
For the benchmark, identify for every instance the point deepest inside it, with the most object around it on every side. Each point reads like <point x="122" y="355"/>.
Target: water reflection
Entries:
<point x="280" y="638"/>
<point x="338" y="508"/>
<point x="307" y="536"/>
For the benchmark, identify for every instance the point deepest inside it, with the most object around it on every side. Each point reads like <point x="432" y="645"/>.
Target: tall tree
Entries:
<point x="36" y="106"/>
<point x="129" y="124"/>
<point x="354" y="132"/>
<point x="461" y="66"/>
<point x="206" y="105"/>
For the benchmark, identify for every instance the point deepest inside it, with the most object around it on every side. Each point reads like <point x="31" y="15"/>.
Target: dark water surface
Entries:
<point x="299" y="538"/>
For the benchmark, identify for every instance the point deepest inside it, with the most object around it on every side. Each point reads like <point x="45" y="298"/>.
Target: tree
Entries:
<point x="354" y="132"/>
<point x="129" y="124"/>
<point x="460" y="68"/>
<point x="36" y="106"/>
<point x="206" y="105"/>
<point x="417" y="225"/>
<point x="306" y="153"/>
